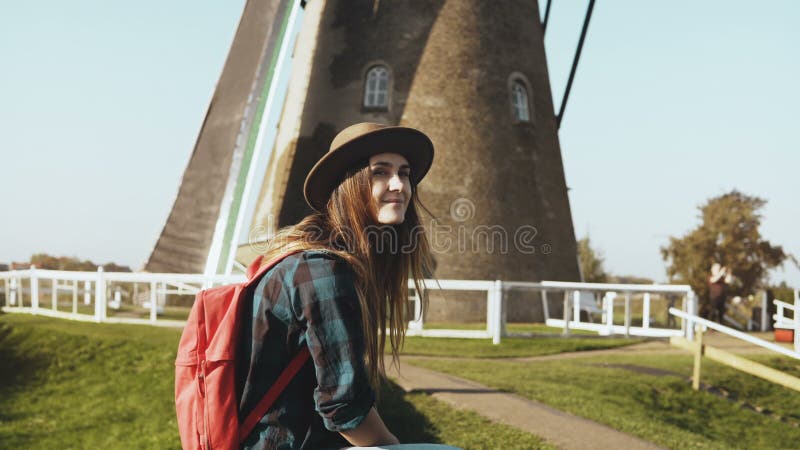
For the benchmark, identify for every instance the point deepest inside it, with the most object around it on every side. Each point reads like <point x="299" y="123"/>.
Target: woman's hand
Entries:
<point x="370" y="432"/>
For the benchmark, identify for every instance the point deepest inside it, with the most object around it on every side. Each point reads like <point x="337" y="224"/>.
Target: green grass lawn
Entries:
<point x="169" y="312"/>
<point x="67" y="384"/>
<point x="526" y="328"/>
<point x="508" y="347"/>
<point x="651" y="397"/>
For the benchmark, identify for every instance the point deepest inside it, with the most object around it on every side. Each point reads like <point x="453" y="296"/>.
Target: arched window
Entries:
<point x="376" y="89"/>
<point x="519" y="101"/>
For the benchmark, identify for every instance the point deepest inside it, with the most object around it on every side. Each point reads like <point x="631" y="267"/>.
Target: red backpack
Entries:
<point x="205" y="383"/>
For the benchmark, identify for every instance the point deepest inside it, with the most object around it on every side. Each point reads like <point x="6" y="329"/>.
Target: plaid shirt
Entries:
<point x="309" y="298"/>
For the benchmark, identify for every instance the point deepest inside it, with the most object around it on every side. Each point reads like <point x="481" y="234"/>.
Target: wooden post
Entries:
<point x="490" y="321"/>
<point x="34" y="290"/>
<point x="497" y="294"/>
<point x="739" y="363"/>
<point x="7" y="286"/>
<point x="153" y="313"/>
<point x="12" y="290"/>
<point x="54" y="296"/>
<point x="764" y="309"/>
<point x="698" y="355"/>
<point x="501" y="298"/>
<point x="691" y="308"/>
<point x="566" y="313"/>
<point x="627" y="314"/>
<point x="576" y="306"/>
<point x="87" y="293"/>
<point x="610" y="313"/>
<point x="545" y="308"/>
<point x="100" y="297"/>
<point x="74" y="296"/>
<point x="646" y="310"/>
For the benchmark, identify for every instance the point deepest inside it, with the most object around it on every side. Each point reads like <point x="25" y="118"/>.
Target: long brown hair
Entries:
<point x="382" y="257"/>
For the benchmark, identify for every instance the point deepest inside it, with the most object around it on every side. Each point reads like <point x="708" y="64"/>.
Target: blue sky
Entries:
<point x="673" y="103"/>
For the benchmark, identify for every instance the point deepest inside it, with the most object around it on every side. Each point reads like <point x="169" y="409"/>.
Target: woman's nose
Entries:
<point x="395" y="183"/>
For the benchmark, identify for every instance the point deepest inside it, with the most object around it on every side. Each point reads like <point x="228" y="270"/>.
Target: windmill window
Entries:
<point x="519" y="102"/>
<point x="376" y="89"/>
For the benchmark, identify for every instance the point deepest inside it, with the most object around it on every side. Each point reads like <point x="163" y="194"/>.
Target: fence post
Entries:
<point x="490" y="310"/>
<point x="627" y="314"/>
<point x="796" y="320"/>
<point x="698" y="356"/>
<point x="153" y="311"/>
<point x="74" y="296"/>
<point x="691" y="308"/>
<point x="497" y="294"/>
<point x="566" y="313"/>
<point x="576" y="306"/>
<point x="11" y="287"/>
<point x="764" y="309"/>
<point x="100" y="297"/>
<point x="646" y="310"/>
<point x="87" y="293"/>
<point x="610" y="313"/>
<point x="545" y="308"/>
<point x="54" y="295"/>
<point x="34" y="290"/>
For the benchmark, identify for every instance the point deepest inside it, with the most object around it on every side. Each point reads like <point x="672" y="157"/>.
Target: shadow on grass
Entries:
<point x="405" y="421"/>
<point x="18" y="369"/>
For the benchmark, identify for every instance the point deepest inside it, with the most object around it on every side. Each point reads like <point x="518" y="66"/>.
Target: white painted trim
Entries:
<point x="257" y="169"/>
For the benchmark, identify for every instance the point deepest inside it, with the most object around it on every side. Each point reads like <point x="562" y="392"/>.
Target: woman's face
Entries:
<point x="391" y="187"/>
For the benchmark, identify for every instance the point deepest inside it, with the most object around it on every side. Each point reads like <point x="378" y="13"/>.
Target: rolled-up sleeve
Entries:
<point x="324" y="296"/>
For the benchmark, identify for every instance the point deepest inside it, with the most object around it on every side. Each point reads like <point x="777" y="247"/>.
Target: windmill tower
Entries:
<point x="472" y="75"/>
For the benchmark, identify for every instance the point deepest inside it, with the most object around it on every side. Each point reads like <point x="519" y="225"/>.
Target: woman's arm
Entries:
<point x="370" y="432"/>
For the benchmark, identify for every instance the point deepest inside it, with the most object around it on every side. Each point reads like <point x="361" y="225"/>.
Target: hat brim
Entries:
<point x="331" y="169"/>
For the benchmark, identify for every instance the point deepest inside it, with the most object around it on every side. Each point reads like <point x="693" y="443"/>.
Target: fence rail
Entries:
<point x="700" y="349"/>
<point x="100" y="290"/>
<point x="107" y="294"/>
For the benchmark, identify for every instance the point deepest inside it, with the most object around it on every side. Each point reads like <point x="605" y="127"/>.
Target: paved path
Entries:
<point x="558" y="428"/>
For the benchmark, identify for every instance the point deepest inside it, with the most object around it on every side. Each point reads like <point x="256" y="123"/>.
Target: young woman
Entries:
<point x="343" y="293"/>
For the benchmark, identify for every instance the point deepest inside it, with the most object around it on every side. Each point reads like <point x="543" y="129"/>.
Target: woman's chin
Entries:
<point x="391" y="215"/>
<point x="390" y="219"/>
<point x="393" y="221"/>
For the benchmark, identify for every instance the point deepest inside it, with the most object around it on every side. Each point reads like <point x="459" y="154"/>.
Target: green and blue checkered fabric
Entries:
<point x="310" y="299"/>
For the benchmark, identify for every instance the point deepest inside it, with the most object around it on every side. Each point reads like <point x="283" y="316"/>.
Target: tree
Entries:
<point x="45" y="261"/>
<point x="728" y="234"/>
<point x="591" y="262"/>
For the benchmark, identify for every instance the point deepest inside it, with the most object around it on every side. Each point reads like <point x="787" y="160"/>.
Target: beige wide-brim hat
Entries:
<point x="354" y="145"/>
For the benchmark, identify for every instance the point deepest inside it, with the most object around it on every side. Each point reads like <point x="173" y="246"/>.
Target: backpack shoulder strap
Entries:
<point x="272" y="394"/>
<point x="254" y="272"/>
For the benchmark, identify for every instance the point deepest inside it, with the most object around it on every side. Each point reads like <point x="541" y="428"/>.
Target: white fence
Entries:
<point x="101" y="294"/>
<point x="121" y="297"/>
<point x="577" y="297"/>
<point x="782" y="319"/>
<point x="700" y="350"/>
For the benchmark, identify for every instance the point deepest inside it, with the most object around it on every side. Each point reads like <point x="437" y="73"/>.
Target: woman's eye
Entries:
<point x="404" y="174"/>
